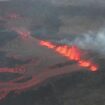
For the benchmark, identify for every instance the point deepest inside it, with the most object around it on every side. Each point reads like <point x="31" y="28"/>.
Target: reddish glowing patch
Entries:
<point x="93" y="68"/>
<point x="47" y="44"/>
<point x="19" y="69"/>
<point x="72" y="53"/>
<point x="84" y="63"/>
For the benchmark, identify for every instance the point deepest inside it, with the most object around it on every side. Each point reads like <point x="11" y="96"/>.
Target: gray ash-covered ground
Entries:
<point x="10" y="62"/>
<point x="5" y="34"/>
<point x="78" y="88"/>
<point x="5" y="77"/>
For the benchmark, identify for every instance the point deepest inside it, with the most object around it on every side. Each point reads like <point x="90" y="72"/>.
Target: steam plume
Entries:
<point x="92" y="41"/>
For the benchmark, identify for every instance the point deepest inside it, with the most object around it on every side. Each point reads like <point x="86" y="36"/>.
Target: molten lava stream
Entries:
<point x="72" y="53"/>
<point x="47" y="44"/>
<point x="93" y="67"/>
<point x="88" y="64"/>
<point x="19" y="70"/>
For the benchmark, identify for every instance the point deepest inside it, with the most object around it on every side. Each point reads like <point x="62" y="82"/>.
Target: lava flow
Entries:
<point x="72" y="53"/>
<point x="37" y="69"/>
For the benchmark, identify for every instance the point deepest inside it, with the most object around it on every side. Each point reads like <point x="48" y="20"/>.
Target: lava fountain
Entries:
<point x="72" y="53"/>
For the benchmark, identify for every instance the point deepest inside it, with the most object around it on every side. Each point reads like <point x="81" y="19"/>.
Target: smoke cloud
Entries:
<point x="94" y="41"/>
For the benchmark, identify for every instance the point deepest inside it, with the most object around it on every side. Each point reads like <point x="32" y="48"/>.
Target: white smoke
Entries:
<point x="94" y="41"/>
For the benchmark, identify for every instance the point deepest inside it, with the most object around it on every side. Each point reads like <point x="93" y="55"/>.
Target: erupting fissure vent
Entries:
<point x="72" y="53"/>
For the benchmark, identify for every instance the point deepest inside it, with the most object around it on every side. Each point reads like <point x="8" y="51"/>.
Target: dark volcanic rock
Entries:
<point x="6" y="36"/>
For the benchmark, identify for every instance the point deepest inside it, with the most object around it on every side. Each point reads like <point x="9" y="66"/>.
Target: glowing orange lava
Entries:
<point x="47" y="44"/>
<point x="72" y="53"/>
<point x="93" y="67"/>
